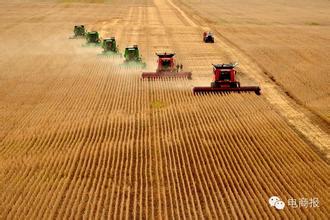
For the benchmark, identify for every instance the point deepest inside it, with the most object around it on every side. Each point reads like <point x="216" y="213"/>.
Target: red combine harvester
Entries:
<point x="208" y="37"/>
<point x="224" y="81"/>
<point x="167" y="68"/>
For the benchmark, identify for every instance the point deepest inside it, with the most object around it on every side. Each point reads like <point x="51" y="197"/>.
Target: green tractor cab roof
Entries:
<point x="92" y="32"/>
<point x="109" y="39"/>
<point x="134" y="47"/>
<point x="132" y="53"/>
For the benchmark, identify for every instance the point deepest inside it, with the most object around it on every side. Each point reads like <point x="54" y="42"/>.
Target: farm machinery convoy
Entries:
<point x="224" y="75"/>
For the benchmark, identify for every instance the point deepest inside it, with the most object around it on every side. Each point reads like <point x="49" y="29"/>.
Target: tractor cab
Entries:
<point x="224" y="75"/>
<point x="109" y="44"/>
<point x="92" y="37"/>
<point x="132" y="53"/>
<point x="208" y="37"/>
<point x="166" y="62"/>
<point x="133" y="58"/>
<point x="79" y="30"/>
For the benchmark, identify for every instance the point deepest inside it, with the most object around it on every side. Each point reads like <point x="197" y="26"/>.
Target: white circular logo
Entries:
<point x="279" y="205"/>
<point x="273" y="200"/>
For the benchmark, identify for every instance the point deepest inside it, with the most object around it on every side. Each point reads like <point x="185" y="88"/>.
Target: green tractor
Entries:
<point x="93" y="38"/>
<point x="132" y="57"/>
<point x="110" y="47"/>
<point x="79" y="31"/>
